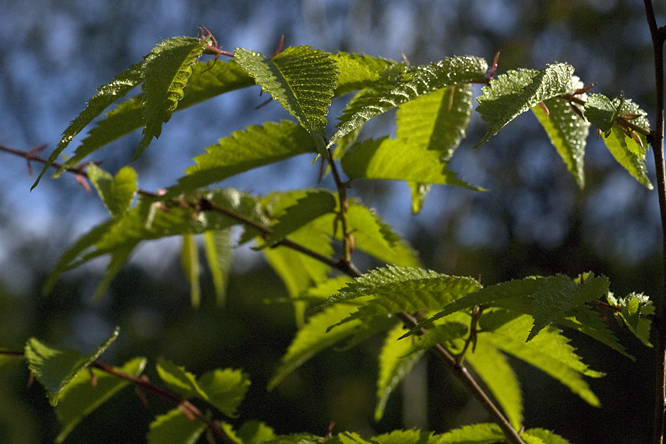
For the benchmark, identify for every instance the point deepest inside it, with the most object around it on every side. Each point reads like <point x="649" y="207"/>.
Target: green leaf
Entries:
<point x="549" y="351"/>
<point x="302" y="79"/>
<point x="362" y="71"/>
<point x="396" y="159"/>
<point x="179" y="379"/>
<point x="116" y="192"/>
<point x="567" y="130"/>
<point x="189" y="259"/>
<point x="313" y="338"/>
<point x="106" y="95"/>
<point x="511" y="94"/>
<point x="208" y="80"/>
<point x="373" y="236"/>
<point x="299" y="438"/>
<point x="475" y="434"/>
<point x="243" y="150"/>
<point x="55" y="368"/>
<point x="167" y="70"/>
<point x="635" y="310"/>
<point x="118" y="237"/>
<point x="624" y="148"/>
<point x="314" y="204"/>
<point x="218" y="249"/>
<point x="495" y="371"/>
<point x="9" y="361"/>
<point x="255" y="432"/>
<point x="175" y="428"/>
<point x="415" y="82"/>
<point x="545" y="298"/>
<point x="398" y="289"/>
<point x="588" y="321"/>
<point x="545" y="437"/>
<point x="224" y="389"/>
<point x="395" y="361"/>
<point x="601" y="112"/>
<point x="83" y="395"/>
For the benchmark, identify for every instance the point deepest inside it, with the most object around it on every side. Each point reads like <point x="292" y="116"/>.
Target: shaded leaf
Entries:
<point x="218" y="249"/>
<point x="81" y="397"/>
<point x="175" y="428"/>
<point x="117" y="192"/>
<point x="415" y="82"/>
<point x="55" y="368"/>
<point x="635" y="310"/>
<point x="167" y="70"/>
<point x="511" y="94"/>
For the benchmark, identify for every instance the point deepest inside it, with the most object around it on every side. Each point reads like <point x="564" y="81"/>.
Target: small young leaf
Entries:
<point x="243" y="150"/>
<point x="567" y="130"/>
<point x="54" y="368"/>
<point x="106" y="95"/>
<point x="255" y="432"/>
<point x="395" y="360"/>
<point x="511" y="94"/>
<point x="116" y="192"/>
<point x="179" y="379"/>
<point x="224" y="389"/>
<point x="302" y="79"/>
<point x="175" y="428"/>
<point x="601" y="112"/>
<point x="634" y="310"/>
<point x="189" y="259"/>
<point x="81" y="397"/>
<point x="167" y="70"/>
<point x="313" y="205"/>
<point x="218" y="248"/>
<point x="415" y="82"/>
<point x="544" y="436"/>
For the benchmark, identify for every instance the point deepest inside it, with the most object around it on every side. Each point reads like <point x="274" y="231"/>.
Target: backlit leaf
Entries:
<point x="511" y="94"/>
<point x="219" y="251"/>
<point x="174" y="427"/>
<point x="116" y="192"/>
<point x="81" y="397"/>
<point x="362" y="71"/>
<point x="189" y="260"/>
<point x="55" y="368"/>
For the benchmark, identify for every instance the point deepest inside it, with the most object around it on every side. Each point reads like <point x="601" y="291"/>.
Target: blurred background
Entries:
<point x="535" y="220"/>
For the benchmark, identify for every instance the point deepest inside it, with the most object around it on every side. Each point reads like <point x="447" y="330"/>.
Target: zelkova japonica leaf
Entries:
<point x="413" y="83"/>
<point x="542" y="436"/>
<point x="627" y="146"/>
<point x="357" y="72"/>
<point x="223" y="389"/>
<point x="255" y="432"/>
<point x="219" y="251"/>
<point x="189" y="260"/>
<point x="147" y="221"/>
<point x="208" y="80"/>
<point x="397" y="289"/>
<point x="167" y="70"/>
<point x="545" y="298"/>
<point x="511" y="94"/>
<point x="243" y="150"/>
<point x="55" y="368"/>
<point x="496" y="372"/>
<point x="397" y="159"/>
<point x="81" y="397"/>
<point x="396" y="359"/>
<point x="314" y="204"/>
<point x="549" y="351"/>
<point x="635" y="310"/>
<point x="174" y="427"/>
<point x="566" y="129"/>
<point x="106" y="95"/>
<point x="116" y="192"/>
<point x="301" y="78"/>
<point x="475" y="434"/>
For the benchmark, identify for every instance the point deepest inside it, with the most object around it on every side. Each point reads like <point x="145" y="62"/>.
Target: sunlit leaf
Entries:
<point x="189" y="259"/>
<point x="255" y="432"/>
<point x="218" y="249"/>
<point x="567" y="130"/>
<point x="82" y="396"/>
<point x="55" y="368"/>
<point x="167" y="70"/>
<point x="362" y="71"/>
<point x="116" y="192"/>
<point x="414" y="83"/>
<point x="511" y="94"/>
<point x="106" y="95"/>
<point x="635" y="310"/>
<point x="538" y="436"/>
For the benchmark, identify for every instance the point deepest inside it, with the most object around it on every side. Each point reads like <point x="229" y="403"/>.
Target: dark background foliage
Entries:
<point x="533" y="221"/>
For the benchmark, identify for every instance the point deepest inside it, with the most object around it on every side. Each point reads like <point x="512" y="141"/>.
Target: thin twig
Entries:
<point x="657" y="142"/>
